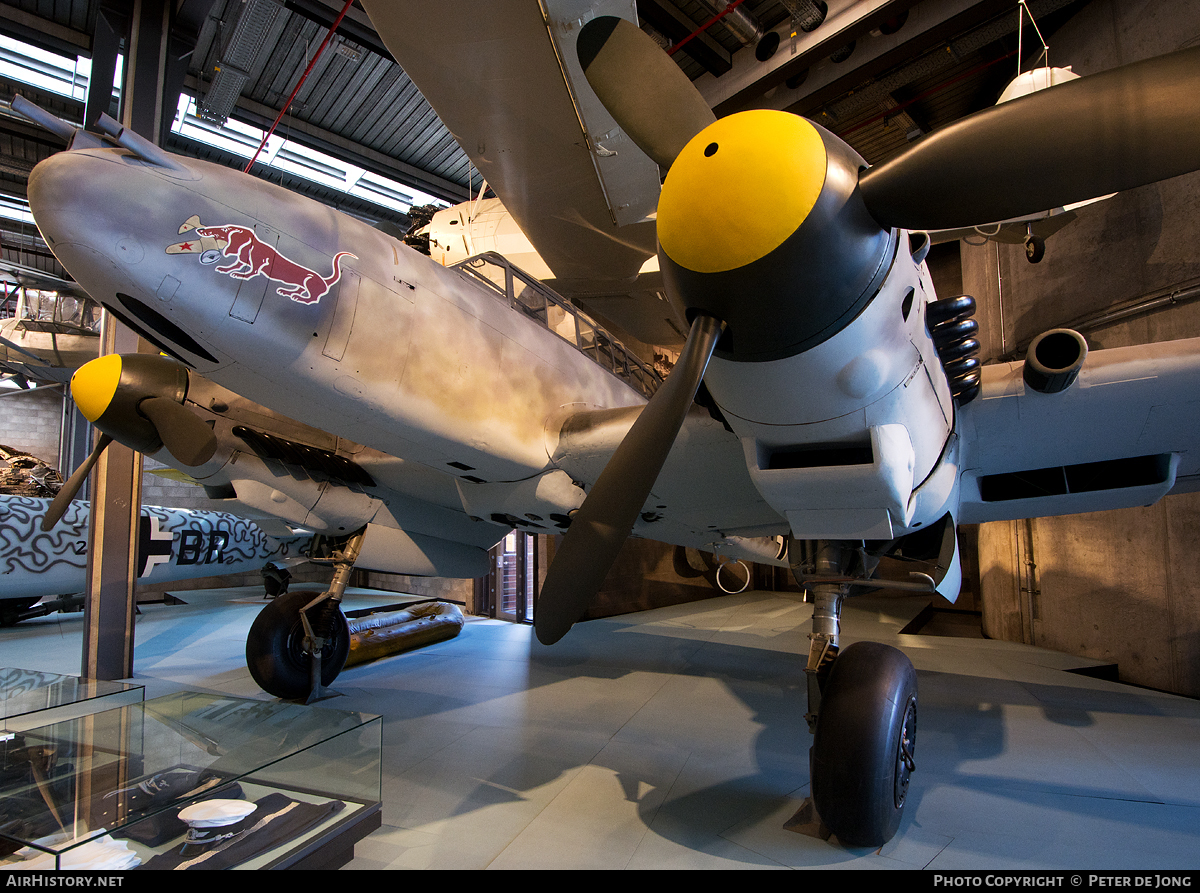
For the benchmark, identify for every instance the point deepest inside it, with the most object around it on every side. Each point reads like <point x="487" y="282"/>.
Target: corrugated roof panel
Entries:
<point x="366" y="99"/>
<point x="380" y="108"/>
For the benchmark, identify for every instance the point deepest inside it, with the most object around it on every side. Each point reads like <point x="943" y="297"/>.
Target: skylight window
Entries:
<point x="43" y="69"/>
<point x="64" y="76"/>
<point x="286" y="155"/>
<point x="14" y="208"/>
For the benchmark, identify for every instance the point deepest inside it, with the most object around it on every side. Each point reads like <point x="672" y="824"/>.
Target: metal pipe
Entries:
<point x="741" y="23"/>
<point x="729" y="8"/>
<point x="299" y="84"/>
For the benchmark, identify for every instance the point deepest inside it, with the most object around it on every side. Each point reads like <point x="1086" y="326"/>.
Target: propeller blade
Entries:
<point x="604" y="521"/>
<point x="183" y="433"/>
<point x="647" y="94"/>
<point x="68" y="490"/>
<point x="1115" y="130"/>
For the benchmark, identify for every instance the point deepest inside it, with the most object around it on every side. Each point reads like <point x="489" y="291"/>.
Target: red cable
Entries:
<point x="726" y="11"/>
<point x="300" y="84"/>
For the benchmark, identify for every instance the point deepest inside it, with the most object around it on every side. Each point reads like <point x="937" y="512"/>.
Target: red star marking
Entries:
<point x="185" y="246"/>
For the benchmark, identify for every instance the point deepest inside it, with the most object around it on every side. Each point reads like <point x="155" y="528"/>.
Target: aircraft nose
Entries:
<point x="72" y="193"/>
<point x="782" y="248"/>
<point x="49" y="191"/>
<point x="94" y="385"/>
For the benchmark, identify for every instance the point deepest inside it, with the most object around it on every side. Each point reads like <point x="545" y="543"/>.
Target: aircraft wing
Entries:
<point x="419" y="520"/>
<point x="17" y="274"/>
<point x="287" y="476"/>
<point x="268" y="466"/>
<point x="494" y="73"/>
<point x="1124" y="434"/>
<point x="725" y="514"/>
<point x="1009" y="232"/>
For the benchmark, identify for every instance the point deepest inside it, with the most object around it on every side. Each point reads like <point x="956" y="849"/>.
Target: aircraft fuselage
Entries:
<point x="173" y="544"/>
<point x="382" y="344"/>
<point x="322" y="318"/>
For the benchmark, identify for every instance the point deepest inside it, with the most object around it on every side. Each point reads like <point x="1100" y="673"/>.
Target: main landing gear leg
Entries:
<point x="862" y="707"/>
<point x="297" y="644"/>
<point x="823" y="641"/>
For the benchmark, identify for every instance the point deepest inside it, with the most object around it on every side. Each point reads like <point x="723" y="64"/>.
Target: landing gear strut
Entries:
<point x="862" y="705"/>
<point x="299" y="644"/>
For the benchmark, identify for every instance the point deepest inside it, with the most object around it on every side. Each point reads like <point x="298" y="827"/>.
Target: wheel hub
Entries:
<point x="299" y="645"/>
<point x="905" y="764"/>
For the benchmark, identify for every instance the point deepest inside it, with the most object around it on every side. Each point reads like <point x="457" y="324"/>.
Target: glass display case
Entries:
<point x="30" y="698"/>
<point x="105" y="791"/>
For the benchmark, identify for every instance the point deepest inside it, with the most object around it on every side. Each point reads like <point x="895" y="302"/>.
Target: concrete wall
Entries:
<point x="31" y="421"/>
<point x="459" y="591"/>
<point x="1118" y="586"/>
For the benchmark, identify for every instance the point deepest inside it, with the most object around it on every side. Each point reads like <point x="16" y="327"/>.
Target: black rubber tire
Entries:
<point x="1035" y="249"/>
<point x="859" y="774"/>
<point x="275" y="652"/>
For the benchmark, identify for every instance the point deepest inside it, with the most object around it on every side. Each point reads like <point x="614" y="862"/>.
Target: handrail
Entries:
<point x="535" y="300"/>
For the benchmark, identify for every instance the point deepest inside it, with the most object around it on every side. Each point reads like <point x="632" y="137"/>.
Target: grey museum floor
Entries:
<point x="676" y="739"/>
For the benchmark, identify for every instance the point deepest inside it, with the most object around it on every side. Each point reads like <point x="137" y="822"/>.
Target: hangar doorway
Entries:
<point x="514" y="577"/>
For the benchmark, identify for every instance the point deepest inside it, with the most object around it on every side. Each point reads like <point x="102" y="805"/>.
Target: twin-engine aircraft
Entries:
<point x="843" y="411"/>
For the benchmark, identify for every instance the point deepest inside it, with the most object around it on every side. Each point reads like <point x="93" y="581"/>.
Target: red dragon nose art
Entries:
<point x="251" y="257"/>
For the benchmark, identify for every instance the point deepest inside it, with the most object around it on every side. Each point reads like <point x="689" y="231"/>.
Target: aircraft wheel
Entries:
<point x="1035" y="249"/>
<point x="861" y="756"/>
<point x="275" y="652"/>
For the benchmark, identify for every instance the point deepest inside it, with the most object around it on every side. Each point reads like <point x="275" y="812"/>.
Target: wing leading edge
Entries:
<point x="1122" y="435"/>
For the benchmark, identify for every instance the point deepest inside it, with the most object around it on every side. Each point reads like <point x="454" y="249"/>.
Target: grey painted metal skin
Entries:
<point x="436" y="370"/>
<point x="413" y="514"/>
<point x="416" y="361"/>
<point x="433" y="367"/>
<point x="488" y="415"/>
<point x="877" y="381"/>
<point x="1127" y="402"/>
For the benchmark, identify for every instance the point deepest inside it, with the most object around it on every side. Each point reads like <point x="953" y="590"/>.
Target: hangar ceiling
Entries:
<point x="877" y="72"/>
